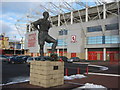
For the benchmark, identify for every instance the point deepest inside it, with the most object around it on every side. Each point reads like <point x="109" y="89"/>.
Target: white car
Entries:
<point x="32" y="59"/>
<point x="74" y="59"/>
<point x="38" y="59"/>
<point x="70" y="60"/>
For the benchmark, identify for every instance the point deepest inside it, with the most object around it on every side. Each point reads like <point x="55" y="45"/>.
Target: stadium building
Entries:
<point x="91" y="33"/>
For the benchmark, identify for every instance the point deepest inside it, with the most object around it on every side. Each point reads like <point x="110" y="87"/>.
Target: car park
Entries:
<point x="32" y="59"/>
<point x="45" y="58"/>
<point x="4" y="58"/>
<point x="29" y="59"/>
<point x="16" y="59"/>
<point x="74" y="59"/>
<point x="25" y="57"/>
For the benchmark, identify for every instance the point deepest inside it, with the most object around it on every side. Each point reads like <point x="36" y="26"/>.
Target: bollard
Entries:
<point x="78" y="70"/>
<point x="87" y="70"/>
<point x="66" y="71"/>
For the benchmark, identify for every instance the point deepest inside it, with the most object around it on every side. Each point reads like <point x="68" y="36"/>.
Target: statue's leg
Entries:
<point x="54" y="46"/>
<point x="41" y="50"/>
<point x="49" y="39"/>
<point x="41" y="41"/>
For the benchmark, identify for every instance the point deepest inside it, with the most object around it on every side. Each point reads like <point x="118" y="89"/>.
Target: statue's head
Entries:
<point x="46" y="15"/>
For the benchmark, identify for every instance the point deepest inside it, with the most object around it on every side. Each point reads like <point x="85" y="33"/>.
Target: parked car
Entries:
<point x="26" y="57"/>
<point x="46" y="58"/>
<point x="4" y="58"/>
<point x="64" y="58"/>
<point x="16" y="59"/>
<point x="74" y="59"/>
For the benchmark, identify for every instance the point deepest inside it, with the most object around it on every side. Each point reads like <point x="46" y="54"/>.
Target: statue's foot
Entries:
<point x="54" y="56"/>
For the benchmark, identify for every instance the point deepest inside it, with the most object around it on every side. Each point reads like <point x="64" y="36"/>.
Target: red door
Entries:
<point x="73" y="54"/>
<point x="92" y="55"/>
<point x="113" y="55"/>
<point x="89" y="56"/>
<point x="101" y="56"/>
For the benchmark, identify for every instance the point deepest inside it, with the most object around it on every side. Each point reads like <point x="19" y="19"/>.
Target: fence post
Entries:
<point x="87" y="70"/>
<point x="78" y="70"/>
<point x="66" y="71"/>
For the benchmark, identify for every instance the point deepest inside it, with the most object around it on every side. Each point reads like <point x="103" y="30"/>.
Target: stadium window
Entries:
<point x="94" y="28"/>
<point x="112" y="26"/>
<point x="61" y="42"/>
<point x="63" y="32"/>
<point x="94" y="40"/>
<point x="112" y="39"/>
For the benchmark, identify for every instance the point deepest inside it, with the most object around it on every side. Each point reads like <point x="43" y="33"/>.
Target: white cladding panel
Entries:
<point x="75" y="30"/>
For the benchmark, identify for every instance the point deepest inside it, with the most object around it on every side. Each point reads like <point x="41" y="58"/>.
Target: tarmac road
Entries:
<point x="10" y="72"/>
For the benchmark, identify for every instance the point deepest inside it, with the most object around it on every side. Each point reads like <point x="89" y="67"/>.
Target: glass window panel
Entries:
<point x="60" y="32"/>
<point x="62" y="42"/>
<point x="63" y="32"/>
<point x="94" y="28"/>
<point x="114" y="41"/>
<point x="112" y="26"/>
<point x="94" y="40"/>
<point x="111" y="39"/>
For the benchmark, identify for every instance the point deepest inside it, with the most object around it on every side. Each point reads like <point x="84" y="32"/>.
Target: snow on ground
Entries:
<point x="26" y="79"/>
<point x="101" y="67"/>
<point x="17" y="80"/>
<point x="91" y="86"/>
<point x="77" y="76"/>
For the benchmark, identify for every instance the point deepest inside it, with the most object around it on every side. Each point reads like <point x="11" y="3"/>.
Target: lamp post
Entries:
<point x="21" y="45"/>
<point x="15" y="45"/>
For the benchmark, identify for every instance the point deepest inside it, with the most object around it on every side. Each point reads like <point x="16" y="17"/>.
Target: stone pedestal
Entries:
<point x="47" y="73"/>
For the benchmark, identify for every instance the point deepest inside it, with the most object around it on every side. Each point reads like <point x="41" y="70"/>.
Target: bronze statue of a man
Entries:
<point x="43" y="26"/>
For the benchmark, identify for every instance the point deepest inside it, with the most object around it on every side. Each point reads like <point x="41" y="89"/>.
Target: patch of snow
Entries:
<point x="26" y="79"/>
<point x="115" y="75"/>
<point x="10" y="83"/>
<point x="67" y="78"/>
<point x="1" y="84"/>
<point x="80" y="76"/>
<point x="17" y="80"/>
<point x="91" y="86"/>
<point x="103" y="68"/>
<point x="74" y="77"/>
